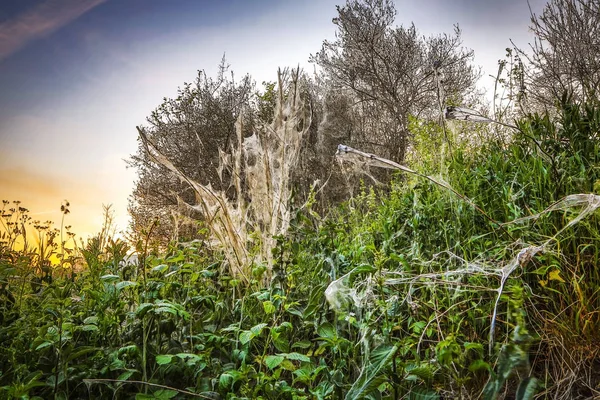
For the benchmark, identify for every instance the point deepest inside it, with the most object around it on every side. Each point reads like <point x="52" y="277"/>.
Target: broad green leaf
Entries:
<point x="225" y="381"/>
<point x="176" y="258"/>
<point x="163" y="359"/>
<point x="273" y="361"/>
<point x="326" y="330"/>
<point x="44" y="345"/>
<point x="418" y="326"/>
<point x="268" y="307"/>
<point x="303" y="344"/>
<point x="257" y="329"/>
<point x="109" y="278"/>
<point x="420" y="393"/>
<point x="295" y="312"/>
<point x="303" y="375"/>
<point x="143" y="309"/>
<point x="246" y="336"/>
<point x="89" y="328"/>
<point x="126" y="375"/>
<point x="143" y="396"/>
<point x="288" y="365"/>
<point x="372" y="374"/>
<point x="189" y="356"/>
<point x="363" y="269"/>
<point x="132" y="349"/>
<point x="422" y="372"/>
<point x="473" y="346"/>
<point x="296" y="357"/>
<point x="165" y="394"/>
<point x="91" y="320"/>
<point x="280" y="340"/>
<point x="122" y="285"/>
<point x="160" y="268"/>
<point x="169" y="310"/>
<point x="478" y="365"/>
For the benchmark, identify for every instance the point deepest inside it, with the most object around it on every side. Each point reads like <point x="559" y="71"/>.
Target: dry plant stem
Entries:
<point x="89" y="381"/>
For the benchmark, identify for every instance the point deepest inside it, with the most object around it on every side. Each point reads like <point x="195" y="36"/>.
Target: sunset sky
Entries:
<point x="77" y="76"/>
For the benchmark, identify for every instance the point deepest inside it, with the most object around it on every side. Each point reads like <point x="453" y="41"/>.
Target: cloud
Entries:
<point x="40" y="21"/>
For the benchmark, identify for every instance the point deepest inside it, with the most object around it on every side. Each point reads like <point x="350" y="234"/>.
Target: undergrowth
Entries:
<point x="391" y="295"/>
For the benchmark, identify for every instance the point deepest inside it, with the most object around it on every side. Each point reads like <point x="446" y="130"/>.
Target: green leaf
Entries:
<point x="189" y="357"/>
<point x="420" y="393"/>
<point x="303" y="344"/>
<point x="126" y="375"/>
<point x="478" y="365"/>
<point x="327" y="330"/>
<point x="166" y="309"/>
<point x="418" y="326"/>
<point x="257" y="329"/>
<point x="225" y="381"/>
<point x="473" y="346"/>
<point x="295" y="312"/>
<point x="372" y="374"/>
<point x="315" y="299"/>
<point x="165" y="394"/>
<point x="89" y="328"/>
<point x="91" y="320"/>
<point x="246" y="336"/>
<point x="143" y="309"/>
<point x="122" y="285"/>
<point x="163" y="359"/>
<point x="83" y="350"/>
<point x="44" y="345"/>
<point x="176" y="258"/>
<point x="273" y="361"/>
<point x="109" y="278"/>
<point x="363" y="269"/>
<point x="296" y="357"/>
<point x="527" y="389"/>
<point x="422" y="372"/>
<point x="132" y="349"/>
<point x="280" y="341"/>
<point x="268" y="307"/>
<point x="288" y="365"/>
<point x="142" y="396"/>
<point x="160" y="268"/>
<point x="286" y="325"/>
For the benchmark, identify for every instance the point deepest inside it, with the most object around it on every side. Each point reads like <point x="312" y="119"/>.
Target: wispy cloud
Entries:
<point x="39" y="21"/>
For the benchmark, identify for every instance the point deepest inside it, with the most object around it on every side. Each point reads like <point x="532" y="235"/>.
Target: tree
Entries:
<point x="191" y="130"/>
<point x="261" y="167"/>
<point x="392" y="73"/>
<point x="566" y="52"/>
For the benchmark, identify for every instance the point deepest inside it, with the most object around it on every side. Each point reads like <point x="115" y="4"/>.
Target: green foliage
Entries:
<point x="388" y="296"/>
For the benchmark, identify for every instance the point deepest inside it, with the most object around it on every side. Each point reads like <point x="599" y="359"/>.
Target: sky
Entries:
<point x="77" y="77"/>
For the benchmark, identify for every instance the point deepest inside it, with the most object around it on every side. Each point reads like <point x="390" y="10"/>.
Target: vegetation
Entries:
<point x="474" y="274"/>
<point x="390" y="295"/>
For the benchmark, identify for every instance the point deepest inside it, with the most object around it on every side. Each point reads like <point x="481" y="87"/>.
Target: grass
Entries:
<point x="489" y="290"/>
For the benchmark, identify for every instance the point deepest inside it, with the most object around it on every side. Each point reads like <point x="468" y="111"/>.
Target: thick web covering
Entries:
<point x="348" y="291"/>
<point x="263" y="163"/>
